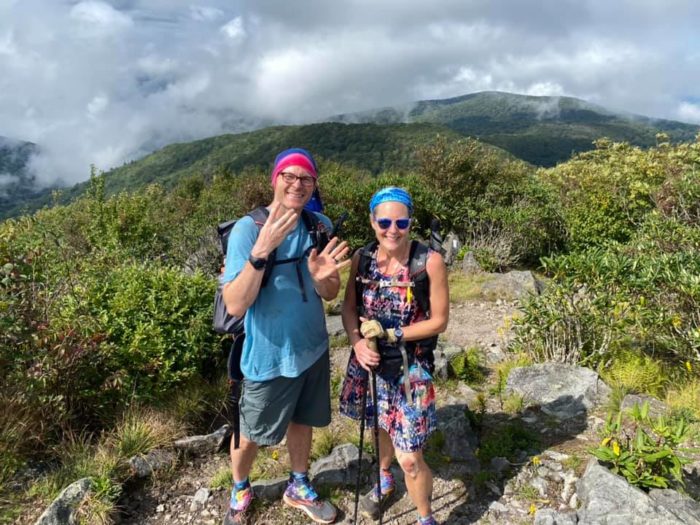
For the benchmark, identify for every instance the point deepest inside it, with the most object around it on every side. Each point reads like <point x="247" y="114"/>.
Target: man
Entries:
<point x="285" y="354"/>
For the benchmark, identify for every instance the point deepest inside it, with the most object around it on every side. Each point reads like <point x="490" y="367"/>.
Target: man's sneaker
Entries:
<point x="239" y="504"/>
<point x="301" y="495"/>
<point x="370" y="504"/>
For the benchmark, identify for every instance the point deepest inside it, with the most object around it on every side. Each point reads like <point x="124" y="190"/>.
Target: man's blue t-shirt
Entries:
<point x="284" y="334"/>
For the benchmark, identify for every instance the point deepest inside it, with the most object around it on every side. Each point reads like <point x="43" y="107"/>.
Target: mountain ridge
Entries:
<point x="541" y="130"/>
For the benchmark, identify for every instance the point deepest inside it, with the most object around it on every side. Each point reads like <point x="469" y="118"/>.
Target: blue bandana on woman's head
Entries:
<point x="391" y="194"/>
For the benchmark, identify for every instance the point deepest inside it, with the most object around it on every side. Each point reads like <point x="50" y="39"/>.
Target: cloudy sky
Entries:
<point x="104" y="81"/>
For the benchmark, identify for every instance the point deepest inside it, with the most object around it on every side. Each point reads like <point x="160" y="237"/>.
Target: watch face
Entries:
<point x="398" y="333"/>
<point x="257" y="262"/>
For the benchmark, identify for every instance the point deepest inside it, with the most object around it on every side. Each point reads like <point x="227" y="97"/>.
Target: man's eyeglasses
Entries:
<point x="385" y="223"/>
<point x="291" y="178"/>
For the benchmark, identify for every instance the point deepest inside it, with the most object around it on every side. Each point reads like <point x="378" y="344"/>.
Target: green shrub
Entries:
<point x="223" y="479"/>
<point x="468" y="366"/>
<point x="156" y="323"/>
<point x="615" y="298"/>
<point x="141" y="430"/>
<point x="685" y="396"/>
<point x="635" y="372"/>
<point x="646" y="453"/>
<point x="497" y="206"/>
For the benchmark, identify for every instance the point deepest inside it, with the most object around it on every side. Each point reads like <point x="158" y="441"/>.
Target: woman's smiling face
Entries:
<point x="391" y="238"/>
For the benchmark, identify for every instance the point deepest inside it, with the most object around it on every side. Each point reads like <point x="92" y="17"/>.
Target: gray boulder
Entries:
<point x="656" y="407"/>
<point x="686" y="509"/>
<point x="334" y="325"/>
<point x="512" y="286"/>
<point x="470" y="266"/>
<point x="607" y="499"/>
<point x="552" y="517"/>
<point x="269" y="489"/>
<point x="459" y="439"/>
<point x="207" y="444"/>
<point x="463" y="394"/>
<point x="60" y="512"/>
<point x="143" y="466"/>
<point x="200" y="499"/>
<point x="451" y="245"/>
<point x="494" y="354"/>
<point x="444" y="352"/>
<point x="562" y="391"/>
<point x="691" y="474"/>
<point x="339" y="468"/>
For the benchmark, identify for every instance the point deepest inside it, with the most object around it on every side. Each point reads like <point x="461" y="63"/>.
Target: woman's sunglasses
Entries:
<point x="385" y="223"/>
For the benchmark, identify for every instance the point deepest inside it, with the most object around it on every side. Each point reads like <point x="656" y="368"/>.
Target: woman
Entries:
<point x="387" y="298"/>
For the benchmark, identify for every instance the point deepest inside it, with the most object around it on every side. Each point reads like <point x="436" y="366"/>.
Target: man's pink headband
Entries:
<point x="293" y="159"/>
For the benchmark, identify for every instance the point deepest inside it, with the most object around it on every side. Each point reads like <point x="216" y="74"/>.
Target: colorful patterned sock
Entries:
<point x="386" y="482"/>
<point x="299" y="487"/>
<point x="241" y="495"/>
<point x="386" y="479"/>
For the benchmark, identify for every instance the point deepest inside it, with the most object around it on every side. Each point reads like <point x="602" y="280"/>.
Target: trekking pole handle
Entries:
<point x="372" y="344"/>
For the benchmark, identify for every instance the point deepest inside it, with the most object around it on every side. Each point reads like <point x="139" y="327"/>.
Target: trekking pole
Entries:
<point x="235" y="377"/>
<point x="372" y="344"/>
<point x="363" y="412"/>
<point x="235" y="390"/>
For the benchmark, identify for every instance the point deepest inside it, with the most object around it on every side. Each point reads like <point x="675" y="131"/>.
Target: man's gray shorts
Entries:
<point x="267" y="407"/>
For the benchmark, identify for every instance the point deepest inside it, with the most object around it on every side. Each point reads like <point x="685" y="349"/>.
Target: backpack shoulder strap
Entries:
<point x="418" y="258"/>
<point x="318" y="231"/>
<point x="311" y="221"/>
<point x="418" y="274"/>
<point x="366" y="253"/>
<point x="259" y="216"/>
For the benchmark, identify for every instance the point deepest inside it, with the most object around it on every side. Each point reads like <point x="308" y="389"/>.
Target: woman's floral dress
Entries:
<point x="409" y="423"/>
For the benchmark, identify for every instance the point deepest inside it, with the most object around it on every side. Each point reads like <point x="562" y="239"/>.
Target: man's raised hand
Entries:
<point x="329" y="261"/>
<point x="278" y="225"/>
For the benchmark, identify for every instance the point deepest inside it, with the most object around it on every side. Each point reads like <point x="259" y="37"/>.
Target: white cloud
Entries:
<point x="97" y="105"/>
<point x="6" y="179"/>
<point x="102" y="82"/>
<point x="100" y="17"/>
<point x="541" y="89"/>
<point x="689" y="112"/>
<point x="234" y="29"/>
<point x="154" y="65"/>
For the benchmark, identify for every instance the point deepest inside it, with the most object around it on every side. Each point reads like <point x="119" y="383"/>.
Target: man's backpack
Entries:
<point x="420" y="288"/>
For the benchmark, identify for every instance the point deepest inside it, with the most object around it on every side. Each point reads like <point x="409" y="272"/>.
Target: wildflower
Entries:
<point x="616" y="448"/>
<point x="533" y="508"/>
<point x="688" y="366"/>
<point x="605" y="442"/>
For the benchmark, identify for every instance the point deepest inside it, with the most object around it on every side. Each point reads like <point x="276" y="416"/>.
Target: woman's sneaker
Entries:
<point x="301" y="495"/>
<point x="239" y="504"/>
<point x="370" y="504"/>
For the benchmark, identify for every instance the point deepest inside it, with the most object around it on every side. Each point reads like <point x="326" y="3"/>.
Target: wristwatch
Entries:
<point x="257" y="262"/>
<point x="398" y="333"/>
